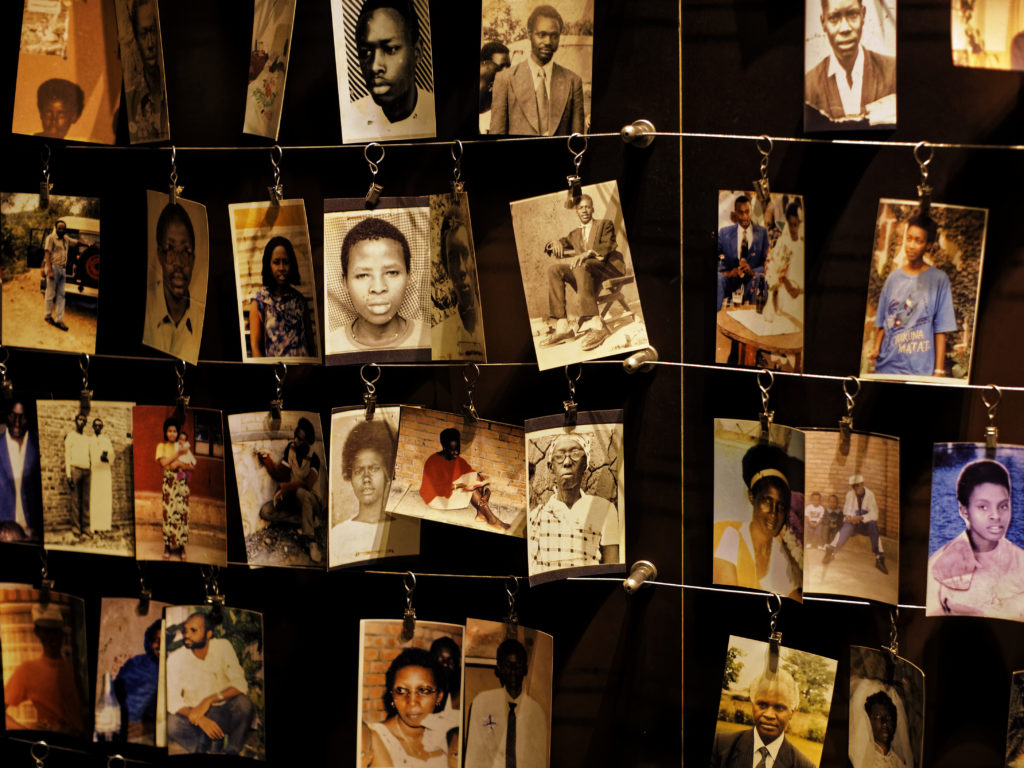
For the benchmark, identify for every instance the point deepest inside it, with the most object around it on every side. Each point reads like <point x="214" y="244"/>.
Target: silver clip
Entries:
<point x="761" y="185"/>
<point x="893" y="648"/>
<point x="213" y="597"/>
<point x="468" y="407"/>
<point x="991" y="430"/>
<point x="276" y="190"/>
<point x="181" y="403"/>
<point x="145" y="594"/>
<point x="924" y="189"/>
<point x="373" y="193"/>
<point x="370" y="395"/>
<point x="766" y="416"/>
<point x="574" y="179"/>
<point x="85" y="396"/>
<point x="6" y="386"/>
<point x="45" y="185"/>
<point x="774" y="636"/>
<point x="642" y="571"/>
<point x="40" y="757"/>
<point x="45" y="582"/>
<point x="175" y="188"/>
<point x="639" y="133"/>
<point x="512" y="619"/>
<point x="277" y="404"/>
<point x="116" y="760"/>
<point x="409" y="615"/>
<point x="641" y="360"/>
<point x="846" y="422"/>
<point x="571" y="409"/>
<point x="457" y="186"/>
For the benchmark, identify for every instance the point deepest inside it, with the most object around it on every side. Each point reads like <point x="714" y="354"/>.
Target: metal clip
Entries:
<point x="641" y="360"/>
<point x="214" y="597"/>
<point x="639" y="133"/>
<point x="893" y="648"/>
<point x="761" y="186"/>
<point x="991" y="431"/>
<point x="574" y="179"/>
<point x="457" y="186"/>
<point x="373" y="193"/>
<point x="924" y="189"/>
<point x="512" y="618"/>
<point x="85" y="397"/>
<point x="180" y="367"/>
<point x="468" y="407"/>
<point x="145" y="594"/>
<point x="116" y="760"/>
<point x="766" y="416"/>
<point x="846" y="422"/>
<point x="641" y="571"/>
<point x="370" y="395"/>
<point x="774" y="636"/>
<point x="45" y="582"/>
<point x="175" y="188"/>
<point x="569" y="405"/>
<point x="409" y="615"/>
<point x="40" y="756"/>
<point x="6" y="386"/>
<point x="276" y="190"/>
<point x="277" y="404"/>
<point x="45" y="185"/>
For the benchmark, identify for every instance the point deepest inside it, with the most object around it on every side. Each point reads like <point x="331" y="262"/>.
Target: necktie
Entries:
<point x="849" y="78"/>
<point x="745" y="247"/>
<point x="510" y="737"/>
<point x="542" y="104"/>
<point x="764" y="758"/>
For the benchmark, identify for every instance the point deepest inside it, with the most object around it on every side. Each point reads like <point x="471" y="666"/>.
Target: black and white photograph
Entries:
<point x="536" y="66"/>
<point x="45" y="662"/>
<point x="852" y="515"/>
<point x="759" y="305"/>
<point x="923" y="291"/>
<point x="51" y="272"/>
<point x="268" y="66"/>
<point x="508" y="695"/>
<point x="576" y="496"/>
<point x="780" y="712"/>
<point x="362" y="489"/>
<point x="216" y="698"/>
<point x="410" y="699"/>
<point x="759" y="508"/>
<point x="456" y="317"/>
<point x="988" y="34"/>
<point x="86" y="472"/>
<point x="142" y="60"/>
<point x="886" y="710"/>
<point x="377" y="270"/>
<point x="384" y="59"/>
<point x="21" y="492"/>
<point x="281" y="476"/>
<point x="278" y="320"/>
<point x="178" y="272"/>
<point x="581" y="290"/>
<point x="849" y="65"/>
<point x="1015" y="722"/>
<point x="975" y="543"/>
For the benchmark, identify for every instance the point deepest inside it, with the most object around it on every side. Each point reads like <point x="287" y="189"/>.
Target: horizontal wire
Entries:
<point x="112" y="760"/>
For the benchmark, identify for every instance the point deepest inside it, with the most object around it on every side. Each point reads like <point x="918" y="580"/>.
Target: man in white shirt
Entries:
<point x="78" y="475"/>
<point x="860" y="517"/>
<point x="55" y="265"/>
<point x="173" y="323"/>
<point x="208" y="706"/>
<point x="19" y="475"/>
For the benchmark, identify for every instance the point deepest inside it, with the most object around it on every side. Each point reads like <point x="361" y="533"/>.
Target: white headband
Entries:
<point x="768" y="473"/>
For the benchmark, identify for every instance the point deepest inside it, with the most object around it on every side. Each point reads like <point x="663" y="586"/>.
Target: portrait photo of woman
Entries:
<point x="279" y="322"/>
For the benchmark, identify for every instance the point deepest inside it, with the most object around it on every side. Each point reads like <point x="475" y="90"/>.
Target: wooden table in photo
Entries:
<point x="790" y="344"/>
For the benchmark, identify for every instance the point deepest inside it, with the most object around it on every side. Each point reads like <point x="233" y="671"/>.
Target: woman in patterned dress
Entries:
<point x="279" y="324"/>
<point x="174" y="490"/>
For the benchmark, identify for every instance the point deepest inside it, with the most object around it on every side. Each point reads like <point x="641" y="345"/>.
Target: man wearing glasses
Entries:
<point x="173" y="323"/>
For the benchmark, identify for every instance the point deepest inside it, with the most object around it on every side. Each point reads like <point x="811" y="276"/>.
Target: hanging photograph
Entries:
<point x="508" y="696"/>
<point x="382" y="50"/>
<point x="852" y="515"/>
<point x="142" y="58"/>
<point x="410" y="694"/>
<point x="268" y="66"/>
<point x="760" y="301"/>
<point x="849" y="65"/>
<point x="576" y="496"/>
<point x="86" y="472"/>
<point x="988" y="34"/>
<point x="51" y="272"/>
<point x="69" y="78"/>
<point x="215" y="683"/>
<point x="376" y="280"/>
<point x="582" y="248"/>
<point x="781" y="712"/>
<point x="281" y="475"/>
<point x="536" y="64"/>
<point x="21" y="492"/>
<point x="45" y="662"/>
<point x="277" y="315"/>
<point x="462" y="473"/>
<point x="1015" y="722"/>
<point x="361" y="489"/>
<point x="759" y="508"/>
<point x="128" y="671"/>
<point x="923" y="292"/>
<point x="976" y="543"/>
<point x="180" y="512"/>
<point x="178" y="272"/>
<point x="886" y="710"/>
<point x="456" y="317"/>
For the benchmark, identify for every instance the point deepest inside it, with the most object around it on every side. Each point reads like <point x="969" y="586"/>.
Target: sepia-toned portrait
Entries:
<point x="988" y="34"/>
<point x="456" y="317"/>
<point x="142" y="60"/>
<point x="268" y="66"/>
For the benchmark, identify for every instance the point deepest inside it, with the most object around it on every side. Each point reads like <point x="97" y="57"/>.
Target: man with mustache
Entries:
<point x="173" y="324"/>
<point x="55" y="263"/>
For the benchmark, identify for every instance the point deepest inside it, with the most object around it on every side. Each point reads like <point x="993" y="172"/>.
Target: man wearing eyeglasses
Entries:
<point x="173" y="323"/>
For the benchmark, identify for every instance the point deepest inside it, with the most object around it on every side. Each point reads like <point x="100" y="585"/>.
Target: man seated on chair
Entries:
<point x="584" y="259"/>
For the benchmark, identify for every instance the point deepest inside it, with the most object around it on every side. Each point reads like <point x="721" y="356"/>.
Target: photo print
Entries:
<point x="576" y="496"/>
<point x="456" y="317"/>
<point x="382" y="50"/>
<point x="759" y="508"/>
<point x="21" y="492"/>
<point x="988" y="34"/>
<point x="86" y="473"/>
<point x="69" y="78"/>
<point x="142" y="59"/>
<point x="849" y="65"/>
<point x="180" y="512"/>
<point x="376" y="280"/>
<point x="410" y="694"/>
<point x="281" y="476"/>
<point x="508" y="696"/>
<point x="463" y="473"/>
<point x="277" y="315"/>
<point x="760" y="299"/>
<point x="536" y="63"/>
<point x="268" y="66"/>
<point x="852" y="515"/>
<point x="215" y="683"/>
<point x="923" y="292"/>
<point x="782" y="712"/>
<point x="361" y="488"/>
<point x="50" y="263"/>
<point x="177" y="275"/>
<point x="886" y="710"/>
<point x="44" y="659"/>
<point x="1015" y="722"/>
<point x="128" y="671"/>
<point x="975" y="543"/>
<point x="583" y="249"/>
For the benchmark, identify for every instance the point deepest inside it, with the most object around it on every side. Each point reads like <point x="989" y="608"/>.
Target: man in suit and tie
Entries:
<point x="773" y="699"/>
<point x="537" y="97"/>
<point x="742" y="252"/>
<point x="584" y="259"/>
<point x="20" y="502"/>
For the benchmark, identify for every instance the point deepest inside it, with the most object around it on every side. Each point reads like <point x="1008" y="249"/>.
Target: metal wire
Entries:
<point x="72" y="750"/>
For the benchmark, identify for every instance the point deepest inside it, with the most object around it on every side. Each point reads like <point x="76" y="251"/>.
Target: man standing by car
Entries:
<point x="55" y="263"/>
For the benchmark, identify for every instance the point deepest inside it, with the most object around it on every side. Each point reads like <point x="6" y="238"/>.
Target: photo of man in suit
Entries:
<point x="20" y="494"/>
<point x="742" y="252"/>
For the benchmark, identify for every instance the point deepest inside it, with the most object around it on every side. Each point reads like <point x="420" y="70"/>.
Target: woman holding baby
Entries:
<point x="175" y="456"/>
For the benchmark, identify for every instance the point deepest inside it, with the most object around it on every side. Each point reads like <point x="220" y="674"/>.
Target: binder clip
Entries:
<point x="570" y="407"/>
<point x="641" y="572"/>
<point x="457" y="186"/>
<point x="923" y="154"/>
<point x="45" y="185"/>
<point x="370" y="395"/>
<point x="45" y="582"/>
<point x="512" y="618"/>
<point x="893" y="648"/>
<point x="991" y="430"/>
<point x="6" y="386"/>
<point x="277" y="404"/>
<point x="373" y="193"/>
<point x="846" y="422"/>
<point x="574" y="179"/>
<point x="761" y="186"/>
<point x="767" y="416"/>
<point x="639" y="133"/>
<point x="174" y="188"/>
<point x="85" y="396"/>
<point x="409" y="615"/>
<point x="276" y="190"/>
<point x="144" y="592"/>
<point x="468" y="407"/>
<point x="214" y="597"/>
<point x="180" y="366"/>
<point x="774" y="636"/>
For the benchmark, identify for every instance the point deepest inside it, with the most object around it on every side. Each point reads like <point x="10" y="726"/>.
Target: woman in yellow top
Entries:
<point x="175" y="489"/>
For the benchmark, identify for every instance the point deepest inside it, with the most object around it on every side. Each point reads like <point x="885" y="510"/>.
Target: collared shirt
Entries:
<point x="179" y="340"/>
<point x="773" y="750"/>
<point x="535" y="72"/>
<point x="17" y="455"/>
<point x="865" y="508"/>
<point x="487" y="731"/>
<point x="58" y="249"/>
<point x="849" y="94"/>
<point x="561" y="537"/>
<point x="364" y="119"/>
<point x="191" y="679"/>
<point x="585" y="232"/>
<point x="740" y="233"/>
<point x="76" y="451"/>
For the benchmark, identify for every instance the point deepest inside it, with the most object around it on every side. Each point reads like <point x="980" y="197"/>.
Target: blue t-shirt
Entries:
<point x="912" y="309"/>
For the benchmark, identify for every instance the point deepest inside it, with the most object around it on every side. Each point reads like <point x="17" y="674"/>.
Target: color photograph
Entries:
<point x="886" y="710"/>
<point x="268" y="66"/>
<point x="988" y="34"/>
<point x="456" y="317"/>
<point x="21" y="492"/>
<point x="1015" y="723"/>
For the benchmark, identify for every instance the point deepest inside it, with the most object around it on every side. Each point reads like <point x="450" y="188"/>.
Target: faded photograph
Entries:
<point x="268" y="66"/>
<point x="576" y="524"/>
<point x="281" y="475"/>
<point x="1015" y="722"/>
<point x="21" y="494"/>
<point x="142" y="59"/>
<point x="456" y="317"/>
<point x="775" y="709"/>
<point x="581" y="291"/>
<point x="536" y="64"/>
<point x="988" y="34"/>
<point x="886" y="710"/>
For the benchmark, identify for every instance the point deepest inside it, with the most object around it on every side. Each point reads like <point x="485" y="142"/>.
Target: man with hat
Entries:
<point x="860" y="516"/>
